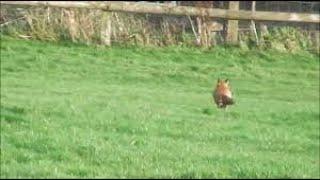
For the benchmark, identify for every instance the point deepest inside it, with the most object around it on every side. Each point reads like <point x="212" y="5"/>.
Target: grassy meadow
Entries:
<point x="81" y="111"/>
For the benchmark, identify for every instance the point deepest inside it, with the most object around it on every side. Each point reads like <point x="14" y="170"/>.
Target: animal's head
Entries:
<point x="223" y="83"/>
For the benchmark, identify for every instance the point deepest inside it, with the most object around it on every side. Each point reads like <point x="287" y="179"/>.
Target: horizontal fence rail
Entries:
<point x="169" y="9"/>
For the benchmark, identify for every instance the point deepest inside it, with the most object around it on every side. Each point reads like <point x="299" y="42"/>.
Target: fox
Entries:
<point x="222" y="94"/>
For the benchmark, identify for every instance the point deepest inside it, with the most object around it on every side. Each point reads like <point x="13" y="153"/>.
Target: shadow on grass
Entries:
<point x="12" y="114"/>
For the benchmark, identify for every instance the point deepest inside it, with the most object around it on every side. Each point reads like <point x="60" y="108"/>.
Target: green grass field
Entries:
<point x="76" y="111"/>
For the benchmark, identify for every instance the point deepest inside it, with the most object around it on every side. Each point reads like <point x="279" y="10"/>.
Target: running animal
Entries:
<point x="222" y="94"/>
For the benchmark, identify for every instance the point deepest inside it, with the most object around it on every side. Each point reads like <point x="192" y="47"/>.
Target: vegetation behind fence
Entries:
<point x="94" y="26"/>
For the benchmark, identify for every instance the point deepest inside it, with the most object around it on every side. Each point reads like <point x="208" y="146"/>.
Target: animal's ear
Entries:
<point x="226" y="81"/>
<point x="219" y="80"/>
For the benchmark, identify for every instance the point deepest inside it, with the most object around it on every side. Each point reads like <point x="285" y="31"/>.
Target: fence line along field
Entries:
<point x="201" y="23"/>
<point x="75" y="111"/>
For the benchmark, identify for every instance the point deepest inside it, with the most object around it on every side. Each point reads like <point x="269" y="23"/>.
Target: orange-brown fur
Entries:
<point x="222" y="94"/>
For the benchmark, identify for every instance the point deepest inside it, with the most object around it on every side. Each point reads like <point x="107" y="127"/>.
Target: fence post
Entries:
<point x="232" y="25"/>
<point x="105" y="36"/>
<point x="253" y="24"/>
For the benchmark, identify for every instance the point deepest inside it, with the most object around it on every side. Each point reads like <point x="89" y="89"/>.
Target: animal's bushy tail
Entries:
<point x="228" y="100"/>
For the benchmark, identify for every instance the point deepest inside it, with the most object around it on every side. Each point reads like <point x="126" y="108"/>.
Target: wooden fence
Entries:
<point x="232" y="14"/>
